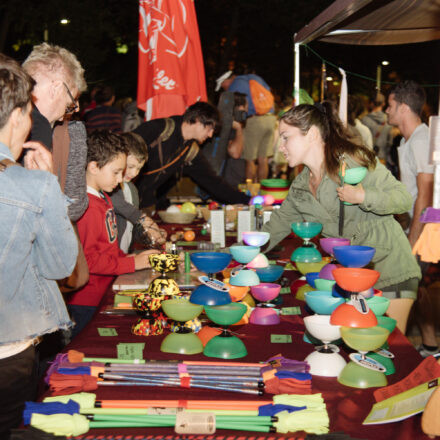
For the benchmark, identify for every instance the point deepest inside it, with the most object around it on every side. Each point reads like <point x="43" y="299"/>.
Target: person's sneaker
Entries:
<point x="425" y="352"/>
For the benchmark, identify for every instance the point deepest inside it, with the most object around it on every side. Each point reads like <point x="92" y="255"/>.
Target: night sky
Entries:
<point x="252" y="35"/>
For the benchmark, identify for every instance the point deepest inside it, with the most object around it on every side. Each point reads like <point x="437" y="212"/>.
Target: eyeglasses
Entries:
<point x="73" y="107"/>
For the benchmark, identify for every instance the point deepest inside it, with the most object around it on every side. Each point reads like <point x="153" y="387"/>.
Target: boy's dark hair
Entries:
<point x="136" y="146"/>
<point x="15" y="88"/>
<point x="103" y="146"/>
<point x="411" y="94"/>
<point x="202" y="112"/>
<point x="104" y="94"/>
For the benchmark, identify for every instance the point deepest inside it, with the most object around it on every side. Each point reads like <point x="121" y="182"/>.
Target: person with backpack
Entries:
<point x="381" y="131"/>
<point x="260" y="124"/>
<point x="174" y="150"/>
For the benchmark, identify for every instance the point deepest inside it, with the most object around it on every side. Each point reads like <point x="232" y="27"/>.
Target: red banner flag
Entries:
<point x="171" y="75"/>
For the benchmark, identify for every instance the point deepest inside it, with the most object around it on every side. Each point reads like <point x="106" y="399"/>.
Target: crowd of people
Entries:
<point x="70" y="212"/>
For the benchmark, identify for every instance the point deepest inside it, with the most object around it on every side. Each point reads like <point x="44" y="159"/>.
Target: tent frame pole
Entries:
<point x="296" y="73"/>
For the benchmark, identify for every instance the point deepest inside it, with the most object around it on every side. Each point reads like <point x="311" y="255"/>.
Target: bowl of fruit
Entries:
<point x="181" y="214"/>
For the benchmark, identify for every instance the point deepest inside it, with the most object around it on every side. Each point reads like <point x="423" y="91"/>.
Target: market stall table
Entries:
<point x="347" y="407"/>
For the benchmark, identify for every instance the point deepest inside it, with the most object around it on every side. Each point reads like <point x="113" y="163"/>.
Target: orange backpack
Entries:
<point x="261" y="97"/>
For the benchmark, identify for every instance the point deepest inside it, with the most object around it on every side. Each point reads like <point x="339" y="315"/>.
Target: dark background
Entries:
<point x="249" y="35"/>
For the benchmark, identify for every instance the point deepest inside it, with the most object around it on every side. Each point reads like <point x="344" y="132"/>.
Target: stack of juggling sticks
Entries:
<point x="68" y="376"/>
<point x="76" y="414"/>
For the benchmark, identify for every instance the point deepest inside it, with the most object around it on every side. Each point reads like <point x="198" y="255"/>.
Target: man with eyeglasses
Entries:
<point x="59" y="80"/>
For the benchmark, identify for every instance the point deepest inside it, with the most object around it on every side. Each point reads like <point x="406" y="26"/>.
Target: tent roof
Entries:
<point x="375" y="22"/>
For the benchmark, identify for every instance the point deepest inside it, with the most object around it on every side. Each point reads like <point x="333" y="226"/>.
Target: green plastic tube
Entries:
<point x="114" y="360"/>
<point x="258" y="420"/>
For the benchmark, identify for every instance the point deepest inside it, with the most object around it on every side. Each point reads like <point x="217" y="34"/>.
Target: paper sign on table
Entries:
<point x="401" y="406"/>
<point x="280" y="339"/>
<point x="131" y="351"/>
<point x="107" y="331"/>
<point x="121" y="299"/>
<point x="291" y="311"/>
<point x="427" y="370"/>
<point x="243" y="224"/>
<point x="266" y="216"/>
<point x="218" y="227"/>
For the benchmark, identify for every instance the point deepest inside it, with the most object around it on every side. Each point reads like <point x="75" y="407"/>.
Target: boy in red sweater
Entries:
<point x="106" y="162"/>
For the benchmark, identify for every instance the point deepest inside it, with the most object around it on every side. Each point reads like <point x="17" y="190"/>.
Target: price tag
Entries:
<point x="291" y="311"/>
<point x="272" y="262"/>
<point x="195" y="423"/>
<point x="214" y="284"/>
<point x="280" y="339"/>
<point x="121" y="299"/>
<point x="187" y="243"/>
<point x="131" y="350"/>
<point x="284" y="290"/>
<point x="107" y="331"/>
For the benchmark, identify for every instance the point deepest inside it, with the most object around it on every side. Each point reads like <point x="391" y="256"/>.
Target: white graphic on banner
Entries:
<point x="160" y="30"/>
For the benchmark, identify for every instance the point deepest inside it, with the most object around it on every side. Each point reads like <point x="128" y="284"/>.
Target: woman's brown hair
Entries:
<point x="337" y="141"/>
<point x="15" y="88"/>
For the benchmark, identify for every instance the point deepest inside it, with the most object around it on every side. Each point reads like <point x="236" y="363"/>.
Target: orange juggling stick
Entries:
<point x="245" y="405"/>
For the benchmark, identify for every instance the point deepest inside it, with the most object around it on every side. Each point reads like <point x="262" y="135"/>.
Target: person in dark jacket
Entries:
<point x="104" y="116"/>
<point x="173" y="148"/>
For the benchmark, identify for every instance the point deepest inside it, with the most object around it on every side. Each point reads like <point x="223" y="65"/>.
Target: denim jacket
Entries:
<point x="37" y="247"/>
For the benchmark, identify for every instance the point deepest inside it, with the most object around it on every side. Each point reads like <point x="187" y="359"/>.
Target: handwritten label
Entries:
<point x="107" y="331"/>
<point x="121" y="299"/>
<point x="280" y="339"/>
<point x="187" y="243"/>
<point x="154" y="411"/>
<point x="131" y="350"/>
<point x="291" y="311"/>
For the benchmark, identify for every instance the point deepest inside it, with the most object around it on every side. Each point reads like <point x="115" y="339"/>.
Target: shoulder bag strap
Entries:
<point x="61" y="147"/>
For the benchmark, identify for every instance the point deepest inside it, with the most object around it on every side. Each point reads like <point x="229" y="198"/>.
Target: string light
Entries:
<point x="368" y="78"/>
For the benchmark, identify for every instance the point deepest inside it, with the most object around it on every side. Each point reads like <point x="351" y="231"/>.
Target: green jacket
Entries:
<point x="370" y="223"/>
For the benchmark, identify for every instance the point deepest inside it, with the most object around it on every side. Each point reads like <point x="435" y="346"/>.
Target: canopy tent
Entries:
<point x="371" y="22"/>
<point x="377" y="22"/>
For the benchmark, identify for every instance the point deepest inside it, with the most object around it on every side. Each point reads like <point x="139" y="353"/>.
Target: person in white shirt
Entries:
<point x="405" y="104"/>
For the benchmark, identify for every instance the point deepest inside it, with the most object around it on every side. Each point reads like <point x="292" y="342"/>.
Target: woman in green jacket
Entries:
<point x="314" y="136"/>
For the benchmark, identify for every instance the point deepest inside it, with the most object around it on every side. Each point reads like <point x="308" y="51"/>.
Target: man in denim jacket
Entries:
<point x="37" y="247"/>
